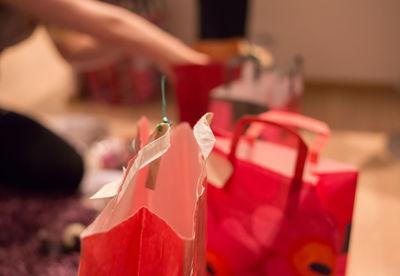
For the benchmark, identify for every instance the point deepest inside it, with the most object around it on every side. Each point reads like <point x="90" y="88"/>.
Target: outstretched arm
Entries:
<point x="82" y="51"/>
<point x="114" y="26"/>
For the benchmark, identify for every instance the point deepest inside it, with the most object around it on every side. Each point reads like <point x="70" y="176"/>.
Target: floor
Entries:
<point x="34" y="80"/>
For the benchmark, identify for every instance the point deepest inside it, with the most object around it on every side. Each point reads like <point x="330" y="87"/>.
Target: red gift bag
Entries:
<point x="155" y="222"/>
<point x="280" y="212"/>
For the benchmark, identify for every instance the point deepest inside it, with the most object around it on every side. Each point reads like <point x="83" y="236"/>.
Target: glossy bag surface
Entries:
<point x="283" y="211"/>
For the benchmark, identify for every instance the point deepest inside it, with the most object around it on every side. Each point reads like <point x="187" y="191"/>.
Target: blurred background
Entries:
<point x="350" y="71"/>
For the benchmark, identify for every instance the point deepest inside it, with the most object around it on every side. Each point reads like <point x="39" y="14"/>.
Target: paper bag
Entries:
<point x="154" y="228"/>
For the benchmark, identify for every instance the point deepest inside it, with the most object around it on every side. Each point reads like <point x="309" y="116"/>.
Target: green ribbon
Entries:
<point x="164" y="104"/>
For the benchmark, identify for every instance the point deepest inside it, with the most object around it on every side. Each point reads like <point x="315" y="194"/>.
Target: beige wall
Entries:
<point x="345" y="40"/>
<point x="357" y="40"/>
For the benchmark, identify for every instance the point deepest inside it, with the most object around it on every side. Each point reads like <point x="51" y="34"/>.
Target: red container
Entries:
<point x="192" y="85"/>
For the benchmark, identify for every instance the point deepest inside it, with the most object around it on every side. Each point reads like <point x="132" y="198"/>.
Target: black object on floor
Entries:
<point x="33" y="158"/>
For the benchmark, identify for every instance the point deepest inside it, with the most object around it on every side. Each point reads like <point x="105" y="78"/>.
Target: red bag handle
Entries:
<point x="301" y="150"/>
<point x="295" y="120"/>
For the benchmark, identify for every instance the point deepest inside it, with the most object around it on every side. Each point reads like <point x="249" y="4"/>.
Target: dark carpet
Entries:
<point x="31" y="229"/>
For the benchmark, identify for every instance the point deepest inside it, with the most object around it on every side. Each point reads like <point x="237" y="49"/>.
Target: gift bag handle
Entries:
<point x="295" y="120"/>
<point x="301" y="150"/>
<point x="240" y="60"/>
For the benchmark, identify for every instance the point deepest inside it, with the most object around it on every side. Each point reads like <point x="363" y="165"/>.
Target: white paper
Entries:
<point x="204" y="135"/>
